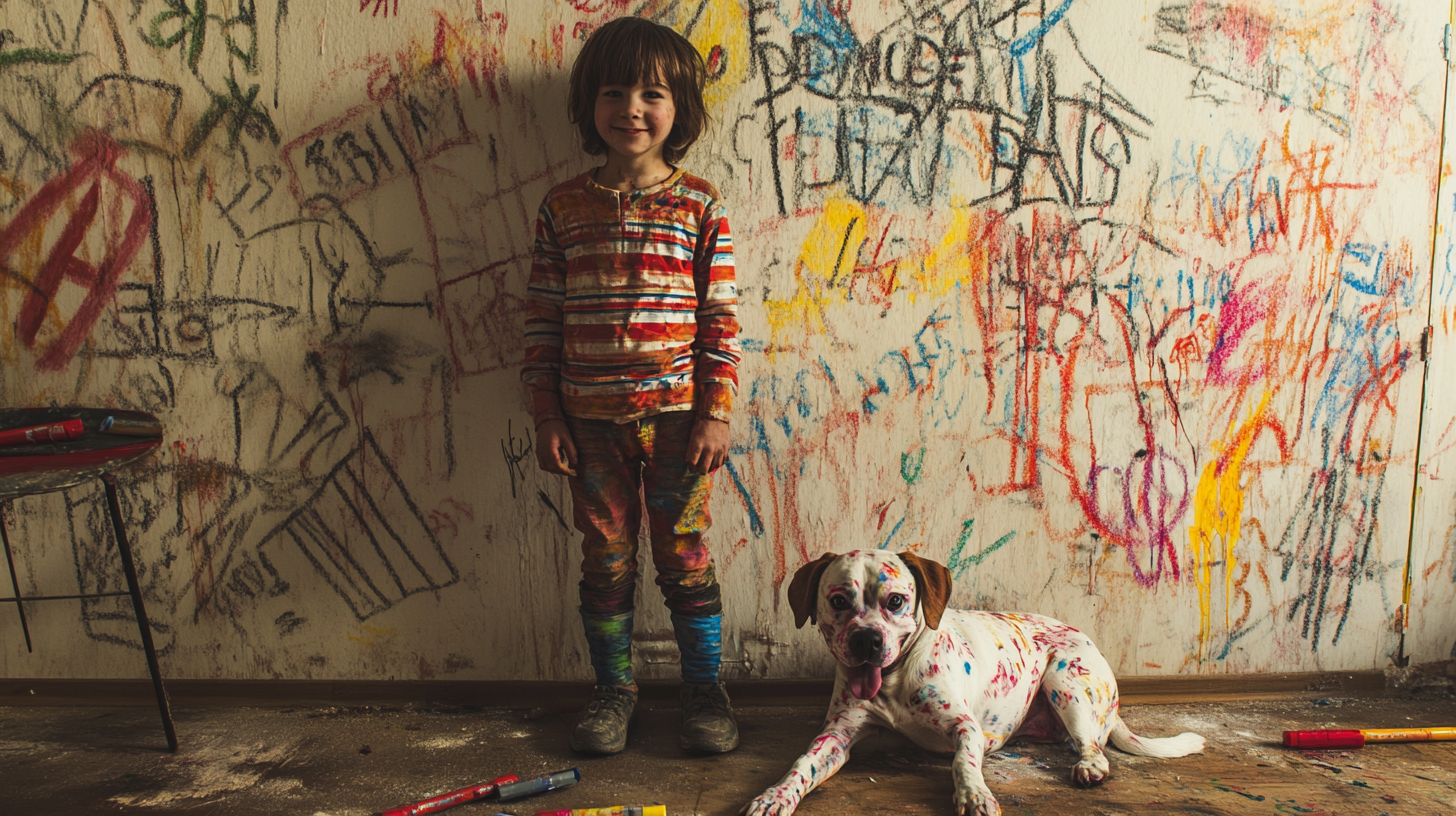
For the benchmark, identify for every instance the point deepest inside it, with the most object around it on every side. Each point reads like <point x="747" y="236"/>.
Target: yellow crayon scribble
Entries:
<point x="829" y="253"/>
<point x="1218" y="507"/>
<point x="961" y="258"/>
<point x="374" y="635"/>
<point x="720" y="33"/>
<point x="831" y="270"/>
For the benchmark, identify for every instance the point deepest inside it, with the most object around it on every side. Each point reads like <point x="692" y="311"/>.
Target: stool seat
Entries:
<point x="29" y="468"/>
<point x="43" y="450"/>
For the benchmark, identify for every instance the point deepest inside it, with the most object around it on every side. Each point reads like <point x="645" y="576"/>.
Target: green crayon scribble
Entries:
<point x="908" y="471"/>
<point x="958" y="563"/>
<point x="20" y="56"/>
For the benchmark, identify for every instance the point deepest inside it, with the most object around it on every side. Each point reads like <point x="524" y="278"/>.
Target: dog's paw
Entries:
<point x="1091" y="771"/>
<point x="771" y="803"/>
<point x="976" y="802"/>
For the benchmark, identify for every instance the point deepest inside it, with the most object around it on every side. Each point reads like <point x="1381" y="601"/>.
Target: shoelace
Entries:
<point x="699" y="700"/>
<point x="606" y="699"/>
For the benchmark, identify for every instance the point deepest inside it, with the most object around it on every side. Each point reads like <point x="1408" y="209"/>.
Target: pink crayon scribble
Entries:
<point x="1244" y="309"/>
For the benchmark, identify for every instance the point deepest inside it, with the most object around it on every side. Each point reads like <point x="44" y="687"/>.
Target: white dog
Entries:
<point x="951" y="680"/>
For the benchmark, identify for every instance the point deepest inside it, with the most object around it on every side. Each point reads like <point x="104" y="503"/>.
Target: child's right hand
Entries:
<point x="555" y="450"/>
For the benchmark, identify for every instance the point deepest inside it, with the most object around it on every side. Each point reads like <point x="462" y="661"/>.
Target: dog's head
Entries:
<point x="867" y="604"/>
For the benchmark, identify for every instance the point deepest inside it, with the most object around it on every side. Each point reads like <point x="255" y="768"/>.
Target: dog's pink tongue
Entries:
<point x="864" y="681"/>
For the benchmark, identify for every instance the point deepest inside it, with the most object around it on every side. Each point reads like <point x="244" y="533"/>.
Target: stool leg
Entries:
<point x="124" y="547"/>
<point x="14" y="582"/>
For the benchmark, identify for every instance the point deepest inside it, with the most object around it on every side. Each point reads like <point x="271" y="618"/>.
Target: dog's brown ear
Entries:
<point x="932" y="583"/>
<point x="804" y="589"/>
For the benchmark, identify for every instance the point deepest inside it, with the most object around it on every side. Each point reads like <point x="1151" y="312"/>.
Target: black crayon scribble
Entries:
<point x="515" y="451"/>
<point x="956" y="99"/>
<point x="541" y="494"/>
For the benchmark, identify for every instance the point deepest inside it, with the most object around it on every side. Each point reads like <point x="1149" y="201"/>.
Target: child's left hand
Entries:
<point x="708" y="445"/>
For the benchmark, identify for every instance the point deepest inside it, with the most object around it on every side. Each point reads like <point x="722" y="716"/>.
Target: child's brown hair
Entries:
<point x="629" y="51"/>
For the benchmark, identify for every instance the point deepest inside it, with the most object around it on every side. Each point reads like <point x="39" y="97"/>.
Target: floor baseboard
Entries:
<point x="186" y="693"/>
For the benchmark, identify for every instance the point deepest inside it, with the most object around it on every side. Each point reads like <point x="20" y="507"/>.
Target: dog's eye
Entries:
<point x="895" y="602"/>
<point x="838" y="602"/>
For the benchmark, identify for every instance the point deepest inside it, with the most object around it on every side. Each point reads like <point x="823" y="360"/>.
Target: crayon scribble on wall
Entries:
<point x="1115" y="310"/>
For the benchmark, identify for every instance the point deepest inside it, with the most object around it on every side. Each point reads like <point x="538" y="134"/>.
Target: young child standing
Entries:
<point x="631" y="366"/>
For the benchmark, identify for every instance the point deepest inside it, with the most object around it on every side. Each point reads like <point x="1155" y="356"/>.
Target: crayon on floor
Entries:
<point x="540" y="784"/>
<point x="619" y="810"/>
<point x="457" y="797"/>
<point x="1353" y="738"/>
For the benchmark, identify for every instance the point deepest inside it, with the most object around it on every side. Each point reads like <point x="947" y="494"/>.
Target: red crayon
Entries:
<point x="54" y="432"/>
<point x="451" y="799"/>
<point x="1357" y="738"/>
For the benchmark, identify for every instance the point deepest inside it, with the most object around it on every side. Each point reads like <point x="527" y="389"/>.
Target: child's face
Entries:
<point x="635" y="120"/>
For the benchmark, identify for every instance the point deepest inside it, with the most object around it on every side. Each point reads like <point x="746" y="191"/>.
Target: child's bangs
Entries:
<point x="643" y="56"/>
<point x="622" y="69"/>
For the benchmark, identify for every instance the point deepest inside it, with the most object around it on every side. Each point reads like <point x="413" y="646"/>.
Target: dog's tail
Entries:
<point x="1125" y="740"/>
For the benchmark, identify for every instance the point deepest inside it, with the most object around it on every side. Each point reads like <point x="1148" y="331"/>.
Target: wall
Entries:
<point x="1112" y="307"/>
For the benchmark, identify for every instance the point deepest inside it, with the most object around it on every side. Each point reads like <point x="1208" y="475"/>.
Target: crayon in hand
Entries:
<point x="451" y="799"/>
<point x="1351" y="738"/>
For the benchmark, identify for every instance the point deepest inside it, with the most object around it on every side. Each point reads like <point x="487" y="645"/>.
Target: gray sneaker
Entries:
<point x="707" y="719"/>
<point x="602" y="726"/>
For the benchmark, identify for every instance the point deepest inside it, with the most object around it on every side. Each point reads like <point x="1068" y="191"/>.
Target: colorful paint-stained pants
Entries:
<point x="621" y="467"/>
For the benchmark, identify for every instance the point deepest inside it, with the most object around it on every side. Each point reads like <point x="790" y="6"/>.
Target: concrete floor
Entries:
<point x="360" y="760"/>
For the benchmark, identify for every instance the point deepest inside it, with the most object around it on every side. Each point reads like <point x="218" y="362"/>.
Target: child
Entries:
<point x="631" y="366"/>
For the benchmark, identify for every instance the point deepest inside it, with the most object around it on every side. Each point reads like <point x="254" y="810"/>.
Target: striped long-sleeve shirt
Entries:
<point x="632" y="305"/>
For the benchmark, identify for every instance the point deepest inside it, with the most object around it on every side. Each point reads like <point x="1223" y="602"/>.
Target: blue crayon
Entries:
<point x="541" y="784"/>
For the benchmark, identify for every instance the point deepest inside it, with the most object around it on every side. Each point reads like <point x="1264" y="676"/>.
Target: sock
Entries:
<point x="700" y="639"/>
<point x="609" y="639"/>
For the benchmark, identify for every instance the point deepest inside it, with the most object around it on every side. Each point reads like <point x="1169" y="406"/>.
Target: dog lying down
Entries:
<point x="951" y="680"/>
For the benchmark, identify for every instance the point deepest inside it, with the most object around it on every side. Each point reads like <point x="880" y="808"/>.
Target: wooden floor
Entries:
<point x="351" y="761"/>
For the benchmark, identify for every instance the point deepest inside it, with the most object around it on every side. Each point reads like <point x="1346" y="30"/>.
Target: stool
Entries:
<point x="43" y="450"/>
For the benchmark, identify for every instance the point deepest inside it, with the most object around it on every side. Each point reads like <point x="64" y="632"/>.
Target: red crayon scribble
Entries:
<point x="97" y="155"/>
<point x="1252" y="29"/>
<point x="1072" y="351"/>
<point x="594" y="6"/>
<point x="380" y="5"/>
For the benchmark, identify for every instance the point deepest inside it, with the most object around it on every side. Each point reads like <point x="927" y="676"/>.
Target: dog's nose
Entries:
<point x="867" y="645"/>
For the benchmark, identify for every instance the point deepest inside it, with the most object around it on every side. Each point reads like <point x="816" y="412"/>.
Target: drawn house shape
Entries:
<point x="364" y="535"/>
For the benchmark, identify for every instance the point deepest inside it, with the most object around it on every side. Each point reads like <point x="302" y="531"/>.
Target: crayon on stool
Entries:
<point x="540" y="784"/>
<point x="53" y="432"/>
<point x="451" y="799"/>
<point x="620" y="810"/>
<point x="130" y="427"/>
<point x="1352" y="738"/>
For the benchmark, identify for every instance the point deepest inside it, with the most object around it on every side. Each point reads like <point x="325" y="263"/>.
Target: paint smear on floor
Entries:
<point x="212" y="771"/>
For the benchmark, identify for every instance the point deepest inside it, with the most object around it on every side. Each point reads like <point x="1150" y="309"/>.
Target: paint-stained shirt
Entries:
<point x="632" y="306"/>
